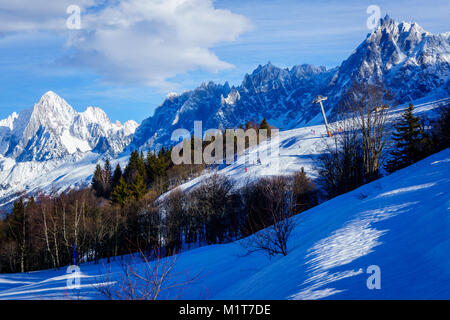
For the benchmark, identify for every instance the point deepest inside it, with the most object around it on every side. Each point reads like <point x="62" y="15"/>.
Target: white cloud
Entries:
<point x="144" y="41"/>
<point x="150" y="41"/>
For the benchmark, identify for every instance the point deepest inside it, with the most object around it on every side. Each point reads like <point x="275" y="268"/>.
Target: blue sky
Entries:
<point x="127" y="71"/>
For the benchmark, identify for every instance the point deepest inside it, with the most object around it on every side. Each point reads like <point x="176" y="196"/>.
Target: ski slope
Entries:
<point x="400" y="223"/>
<point x="57" y="175"/>
<point x="295" y="149"/>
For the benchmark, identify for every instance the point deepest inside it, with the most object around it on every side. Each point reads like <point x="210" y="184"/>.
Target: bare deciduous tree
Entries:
<point x="354" y="154"/>
<point x="210" y="203"/>
<point x="368" y="104"/>
<point x="174" y="221"/>
<point x="341" y="166"/>
<point x="272" y="220"/>
<point x="144" y="279"/>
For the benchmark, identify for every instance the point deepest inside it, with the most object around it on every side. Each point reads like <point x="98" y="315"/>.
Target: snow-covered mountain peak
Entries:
<point x="96" y="115"/>
<point x="405" y="35"/>
<point x="129" y="127"/>
<point x="9" y="122"/>
<point x="52" y="129"/>
<point x="50" y="101"/>
<point x="50" y="96"/>
<point x="410" y="61"/>
<point x="172" y="95"/>
<point x="232" y="97"/>
<point x="387" y="20"/>
<point x="307" y="70"/>
<point x="37" y="141"/>
<point x="53" y="108"/>
<point x="267" y="71"/>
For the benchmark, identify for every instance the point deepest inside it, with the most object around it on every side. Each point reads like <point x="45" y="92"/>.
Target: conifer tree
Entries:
<point x="116" y="176"/>
<point x="107" y="168"/>
<point x="101" y="181"/>
<point x="31" y="203"/>
<point x="305" y="192"/>
<point x="156" y="167"/>
<point x="251" y="125"/>
<point x="138" y="188"/>
<point x="410" y="141"/>
<point x="97" y="185"/>
<point x="121" y="192"/>
<point x="265" y="125"/>
<point x="131" y="167"/>
<point x="107" y="179"/>
<point x="18" y="230"/>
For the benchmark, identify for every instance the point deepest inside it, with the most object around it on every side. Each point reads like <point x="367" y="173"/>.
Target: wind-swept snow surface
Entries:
<point x="400" y="223"/>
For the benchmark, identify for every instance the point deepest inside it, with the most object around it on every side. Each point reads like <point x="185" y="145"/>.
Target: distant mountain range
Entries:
<point x="53" y="146"/>
<point x="410" y="61"/>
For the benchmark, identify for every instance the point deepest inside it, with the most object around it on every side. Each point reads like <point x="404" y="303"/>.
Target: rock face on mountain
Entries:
<point x="52" y="129"/>
<point x="411" y="62"/>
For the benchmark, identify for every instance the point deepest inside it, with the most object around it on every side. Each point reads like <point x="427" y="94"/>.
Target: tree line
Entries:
<point x="78" y="226"/>
<point x="154" y="171"/>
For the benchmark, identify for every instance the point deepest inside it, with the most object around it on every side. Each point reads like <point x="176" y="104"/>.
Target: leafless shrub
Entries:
<point x="271" y="220"/>
<point x="175" y="221"/>
<point x="441" y="129"/>
<point x="142" y="278"/>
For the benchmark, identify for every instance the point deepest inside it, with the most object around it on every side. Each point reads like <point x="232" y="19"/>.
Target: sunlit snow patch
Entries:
<point x="356" y="239"/>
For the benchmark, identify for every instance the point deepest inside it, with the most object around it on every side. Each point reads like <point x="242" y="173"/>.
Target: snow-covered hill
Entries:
<point x="297" y="148"/>
<point x="410" y="61"/>
<point x="399" y="223"/>
<point x="50" y="142"/>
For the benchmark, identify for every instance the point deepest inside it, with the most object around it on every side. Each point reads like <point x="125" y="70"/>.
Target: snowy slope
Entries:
<point x="33" y="177"/>
<point x="402" y="226"/>
<point x="400" y="223"/>
<point x="297" y="148"/>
